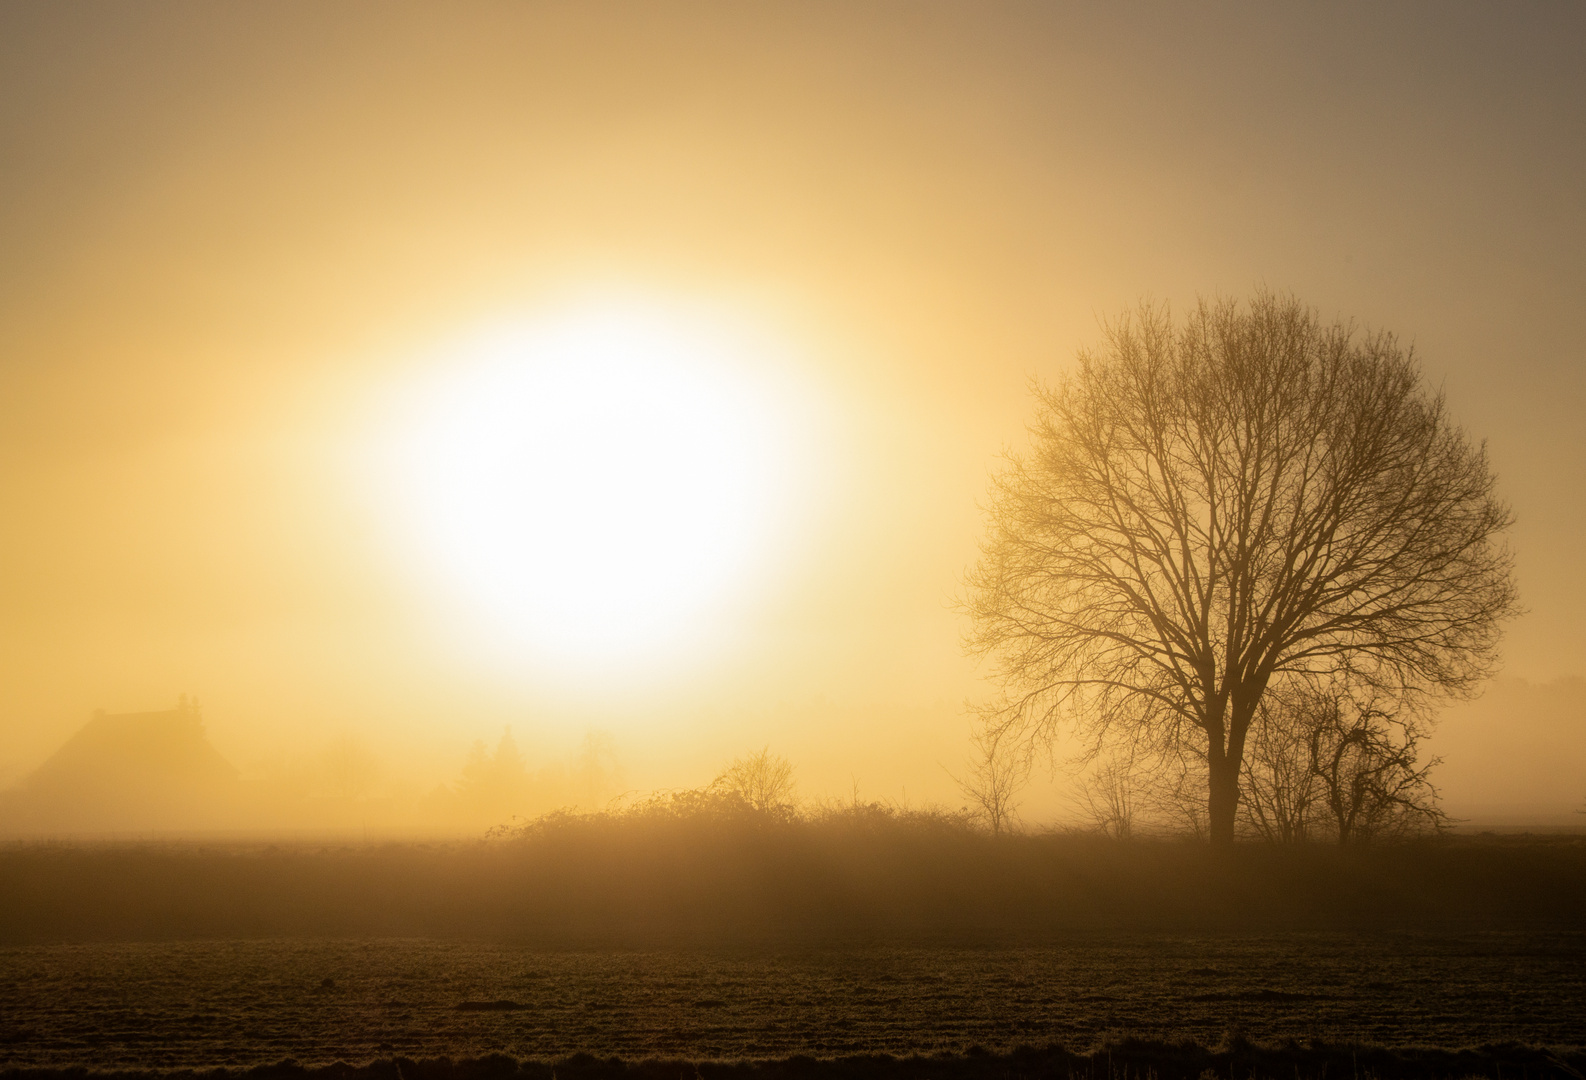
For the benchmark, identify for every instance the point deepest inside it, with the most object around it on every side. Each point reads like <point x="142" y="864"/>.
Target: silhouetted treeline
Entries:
<point x="698" y="869"/>
<point x="1124" y="1060"/>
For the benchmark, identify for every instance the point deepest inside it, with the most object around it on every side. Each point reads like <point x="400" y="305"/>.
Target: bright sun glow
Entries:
<point x="595" y="482"/>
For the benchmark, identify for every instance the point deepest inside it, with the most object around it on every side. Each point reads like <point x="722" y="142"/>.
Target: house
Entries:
<point x="127" y="773"/>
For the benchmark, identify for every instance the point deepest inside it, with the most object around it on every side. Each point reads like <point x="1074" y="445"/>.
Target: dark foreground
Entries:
<point x="241" y="1004"/>
<point x="814" y="946"/>
<point x="1125" y="1060"/>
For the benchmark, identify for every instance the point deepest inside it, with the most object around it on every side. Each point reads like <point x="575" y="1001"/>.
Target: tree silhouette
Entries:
<point x="1323" y="762"/>
<point x="762" y="780"/>
<point x="1281" y="793"/>
<point x="1366" y="758"/>
<point x="1244" y="499"/>
<point x="1109" y="796"/>
<point x="992" y="782"/>
<point x="494" y="784"/>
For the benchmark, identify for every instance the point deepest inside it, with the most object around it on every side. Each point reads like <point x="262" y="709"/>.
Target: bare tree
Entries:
<point x="1245" y="498"/>
<point x="1366" y="758"/>
<point x="763" y="780"/>
<point x="1175" y="797"/>
<point x="1321" y="762"/>
<point x="1281" y="795"/>
<point x="1108" y="795"/>
<point x="996" y="773"/>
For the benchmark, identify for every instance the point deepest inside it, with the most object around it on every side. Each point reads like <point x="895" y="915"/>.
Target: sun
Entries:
<point x="594" y="482"/>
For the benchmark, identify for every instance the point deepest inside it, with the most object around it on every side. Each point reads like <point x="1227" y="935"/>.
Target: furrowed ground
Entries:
<point x="740" y="937"/>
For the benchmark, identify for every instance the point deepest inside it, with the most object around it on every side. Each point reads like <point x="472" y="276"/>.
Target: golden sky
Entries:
<point x="237" y="238"/>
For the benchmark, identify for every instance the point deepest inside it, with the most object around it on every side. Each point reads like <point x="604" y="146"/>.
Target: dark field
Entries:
<point x="722" y="940"/>
<point x="206" y="1004"/>
<point x="869" y="876"/>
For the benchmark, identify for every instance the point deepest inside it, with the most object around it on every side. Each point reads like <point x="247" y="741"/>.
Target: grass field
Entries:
<point x="710" y="940"/>
<point x="867" y="877"/>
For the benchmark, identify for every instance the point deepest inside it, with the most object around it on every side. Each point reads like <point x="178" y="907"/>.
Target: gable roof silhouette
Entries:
<point x="127" y="771"/>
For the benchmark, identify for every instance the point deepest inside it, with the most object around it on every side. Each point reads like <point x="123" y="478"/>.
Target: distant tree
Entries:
<point x="351" y="769"/>
<point x="763" y="780"/>
<point x="1174" y="799"/>
<point x="1109" y="795"/>
<point x="596" y="774"/>
<point x="495" y="783"/>
<point x="1244" y="499"/>
<point x="997" y="770"/>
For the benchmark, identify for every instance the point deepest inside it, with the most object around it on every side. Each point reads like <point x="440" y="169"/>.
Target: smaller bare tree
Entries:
<point x="1176" y="798"/>
<point x="996" y="773"/>
<point x="1110" y="794"/>
<point x="1283" y="792"/>
<point x="1366" y="758"/>
<point x="763" y="780"/>
<point x="1322" y="761"/>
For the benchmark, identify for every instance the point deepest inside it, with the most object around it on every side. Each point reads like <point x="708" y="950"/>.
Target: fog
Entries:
<point x="236" y="236"/>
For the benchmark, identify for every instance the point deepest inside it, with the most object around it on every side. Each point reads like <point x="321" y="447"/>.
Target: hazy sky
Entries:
<point x="235" y="235"/>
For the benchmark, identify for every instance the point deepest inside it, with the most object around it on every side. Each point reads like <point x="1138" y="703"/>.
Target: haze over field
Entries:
<point x="783" y="273"/>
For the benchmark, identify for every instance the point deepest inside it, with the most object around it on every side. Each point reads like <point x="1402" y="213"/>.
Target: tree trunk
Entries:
<point x="1222" y="798"/>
